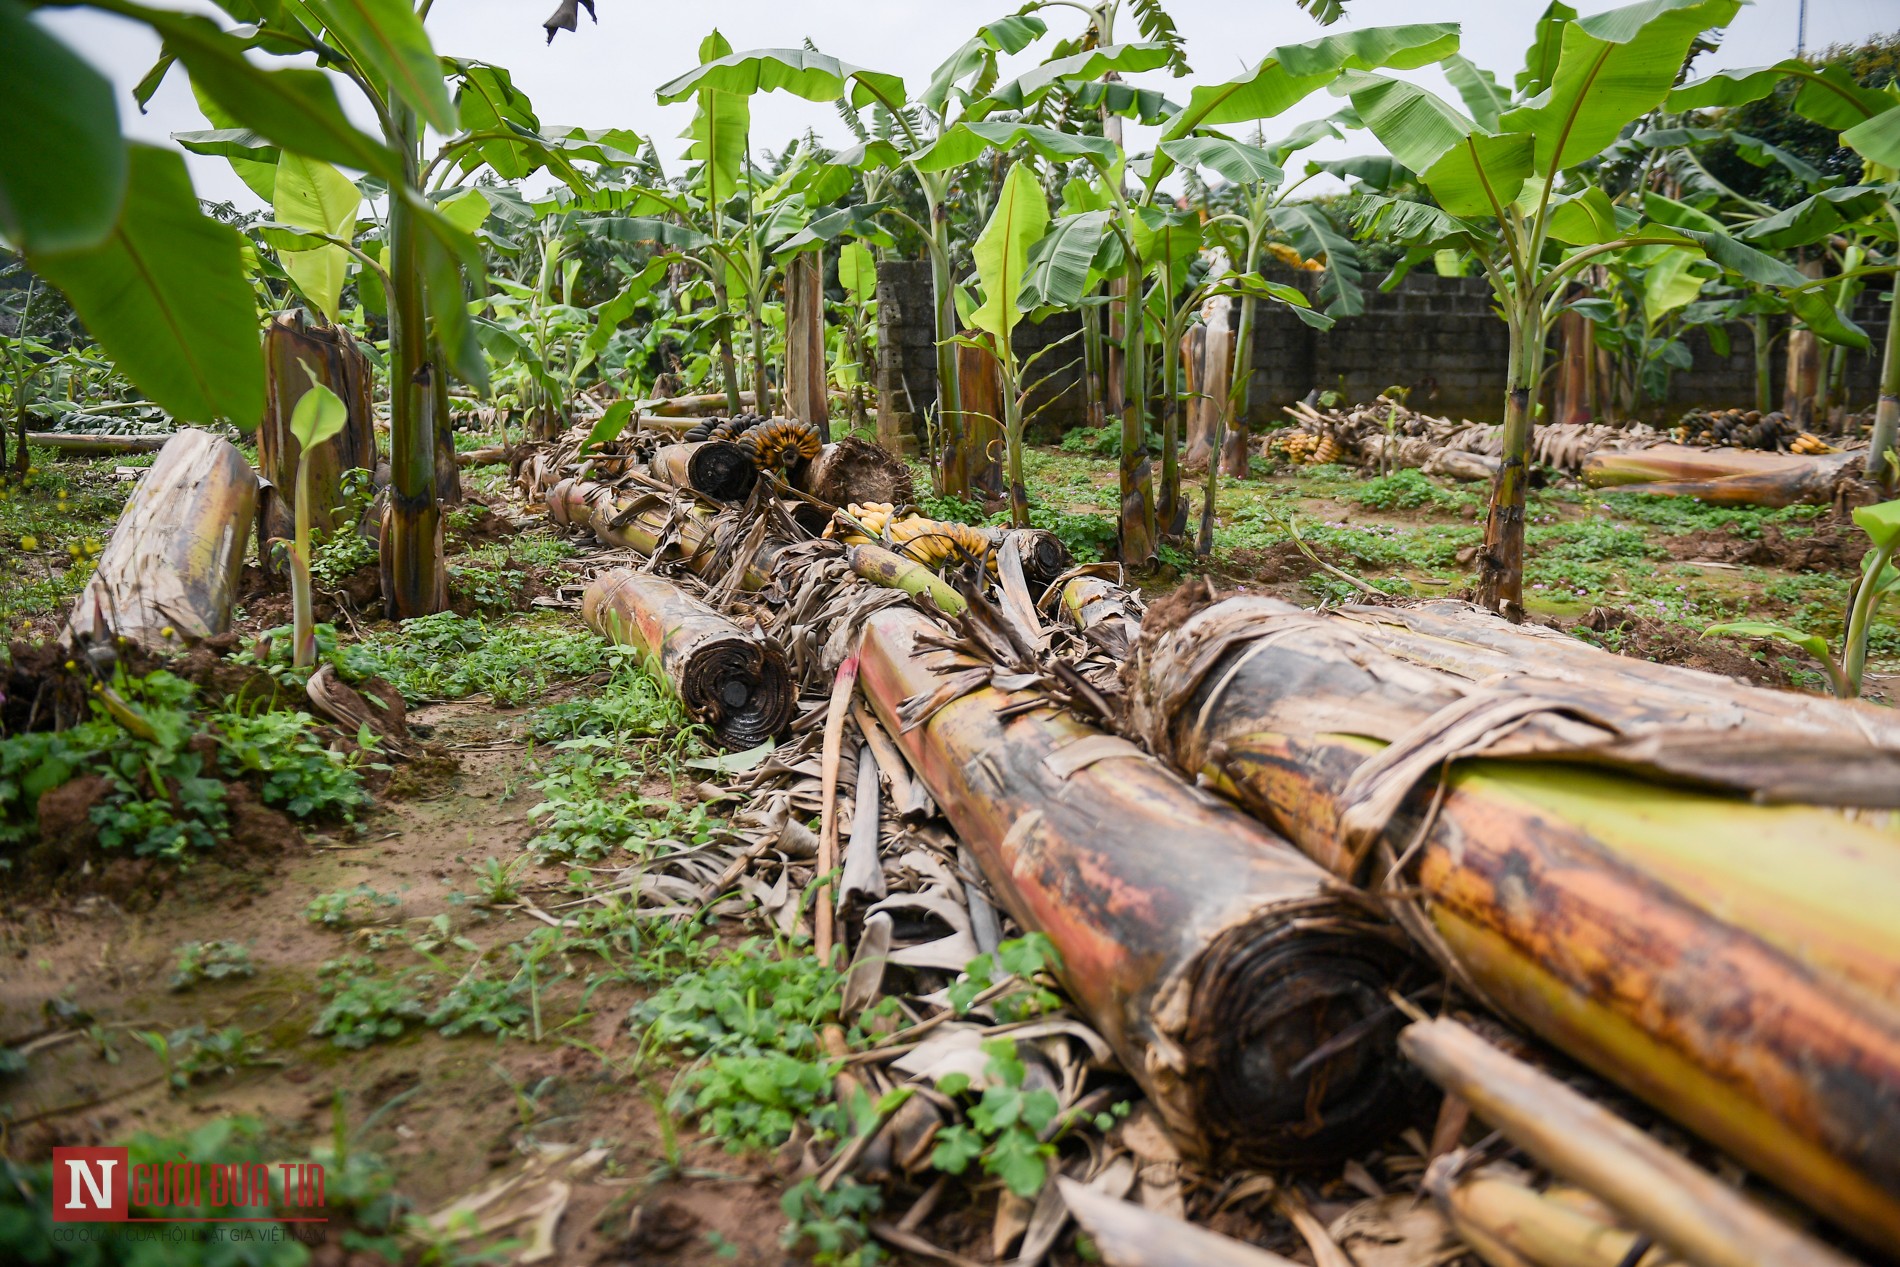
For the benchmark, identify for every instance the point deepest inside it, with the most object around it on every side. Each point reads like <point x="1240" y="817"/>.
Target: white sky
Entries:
<point x="604" y="75"/>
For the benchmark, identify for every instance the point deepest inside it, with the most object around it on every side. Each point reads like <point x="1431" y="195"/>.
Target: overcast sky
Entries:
<point x="604" y="75"/>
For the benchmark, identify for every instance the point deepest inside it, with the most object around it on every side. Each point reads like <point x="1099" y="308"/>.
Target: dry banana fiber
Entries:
<point x="1673" y="877"/>
<point x="169" y="574"/>
<point x="294" y="350"/>
<point x="730" y="680"/>
<point x="719" y="469"/>
<point x="1237" y="982"/>
<point x="1727" y="476"/>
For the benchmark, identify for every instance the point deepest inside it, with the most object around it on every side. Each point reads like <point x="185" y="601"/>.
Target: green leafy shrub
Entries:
<point x="446" y="656"/>
<point x="1408" y="490"/>
<point x="752" y="1102"/>
<point x="158" y="799"/>
<point x="365" y="1009"/>
<point x="200" y="961"/>
<point x="746" y="1001"/>
<point x="279" y="750"/>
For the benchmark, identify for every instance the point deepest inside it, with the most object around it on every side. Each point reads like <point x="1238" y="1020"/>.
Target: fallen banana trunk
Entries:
<point x="1657" y="1190"/>
<point x="732" y="681"/>
<point x="1736" y="963"/>
<point x="719" y="469"/>
<point x="169" y="575"/>
<point x="1726" y="476"/>
<point x="76" y="442"/>
<point x="649" y="523"/>
<point x="1240" y="985"/>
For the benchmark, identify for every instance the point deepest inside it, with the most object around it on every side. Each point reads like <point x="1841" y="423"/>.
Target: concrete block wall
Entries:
<point x="1438" y="336"/>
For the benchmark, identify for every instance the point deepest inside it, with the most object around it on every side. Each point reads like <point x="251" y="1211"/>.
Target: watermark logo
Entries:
<point x="102" y="1185"/>
<point x="90" y="1185"/>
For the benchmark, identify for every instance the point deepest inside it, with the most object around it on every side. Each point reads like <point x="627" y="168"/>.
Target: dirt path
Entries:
<point x="448" y="1116"/>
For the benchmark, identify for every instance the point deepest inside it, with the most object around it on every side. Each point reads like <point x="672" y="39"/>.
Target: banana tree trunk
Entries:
<point x="1764" y="363"/>
<point x="295" y="351"/>
<point x="1647" y="866"/>
<point x="448" y="471"/>
<point x="1237" y="984"/>
<point x="649" y="523"/>
<point x="1137" y="526"/>
<point x="415" y="581"/>
<point x="977" y="458"/>
<point x="733" y="682"/>
<point x="1194" y="441"/>
<point x="1501" y="561"/>
<point x="1230" y="371"/>
<point x="806" y="397"/>
<point x="1804" y="363"/>
<point x="1887" y="412"/>
<point x="1573" y="382"/>
<point x="728" y="363"/>
<point x="169" y="574"/>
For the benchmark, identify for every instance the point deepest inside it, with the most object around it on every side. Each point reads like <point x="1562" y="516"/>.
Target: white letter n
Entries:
<point x="82" y="1173"/>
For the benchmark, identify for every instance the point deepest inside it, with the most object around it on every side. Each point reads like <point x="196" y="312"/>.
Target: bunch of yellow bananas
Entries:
<point x="1293" y="446"/>
<point x="1808" y="442"/>
<point x="932" y="542"/>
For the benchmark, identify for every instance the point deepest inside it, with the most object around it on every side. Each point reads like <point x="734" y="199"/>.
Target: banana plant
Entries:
<point x="1868" y="120"/>
<point x="1017" y="222"/>
<point x="1256" y="174"/>
<point x="1282" y="79"/>
<point x="1504" y="181"/>
<point x="906" y="128"/>
<point x="382" y="50"/>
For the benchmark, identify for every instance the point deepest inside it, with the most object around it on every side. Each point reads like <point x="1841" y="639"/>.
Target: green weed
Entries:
<point x="201" y="961"/>
<point x="365" y="1009"/>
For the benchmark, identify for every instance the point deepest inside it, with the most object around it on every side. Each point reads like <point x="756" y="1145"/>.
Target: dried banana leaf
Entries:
<point x="1241" y="987"/>
<point x="732" y="681"/>
<point x="1657" y="1190"/>
<point x="169" y="574"/>
<point x="1646" y="865"/>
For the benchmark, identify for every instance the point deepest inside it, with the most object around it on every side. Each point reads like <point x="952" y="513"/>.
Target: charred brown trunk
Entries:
<point x="733" y="682"/>
<point x="1573" y="378"/>
<point x="448" y="471"/>
<point x="805" y="376"/>
<point x="169" y="574"/>
<point x="1643" y="864"/>
<point x="978" y="458"/>
<point x="1804" y="362"/>
<point x="1219" y="968"/>
<point x="295" y="352"/>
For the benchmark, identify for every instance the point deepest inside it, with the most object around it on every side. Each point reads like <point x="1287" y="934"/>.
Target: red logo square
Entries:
<point x="90" y="1184"/>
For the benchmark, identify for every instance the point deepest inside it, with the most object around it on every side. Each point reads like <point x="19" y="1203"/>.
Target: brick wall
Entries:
<point x="1438" y="336"/>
